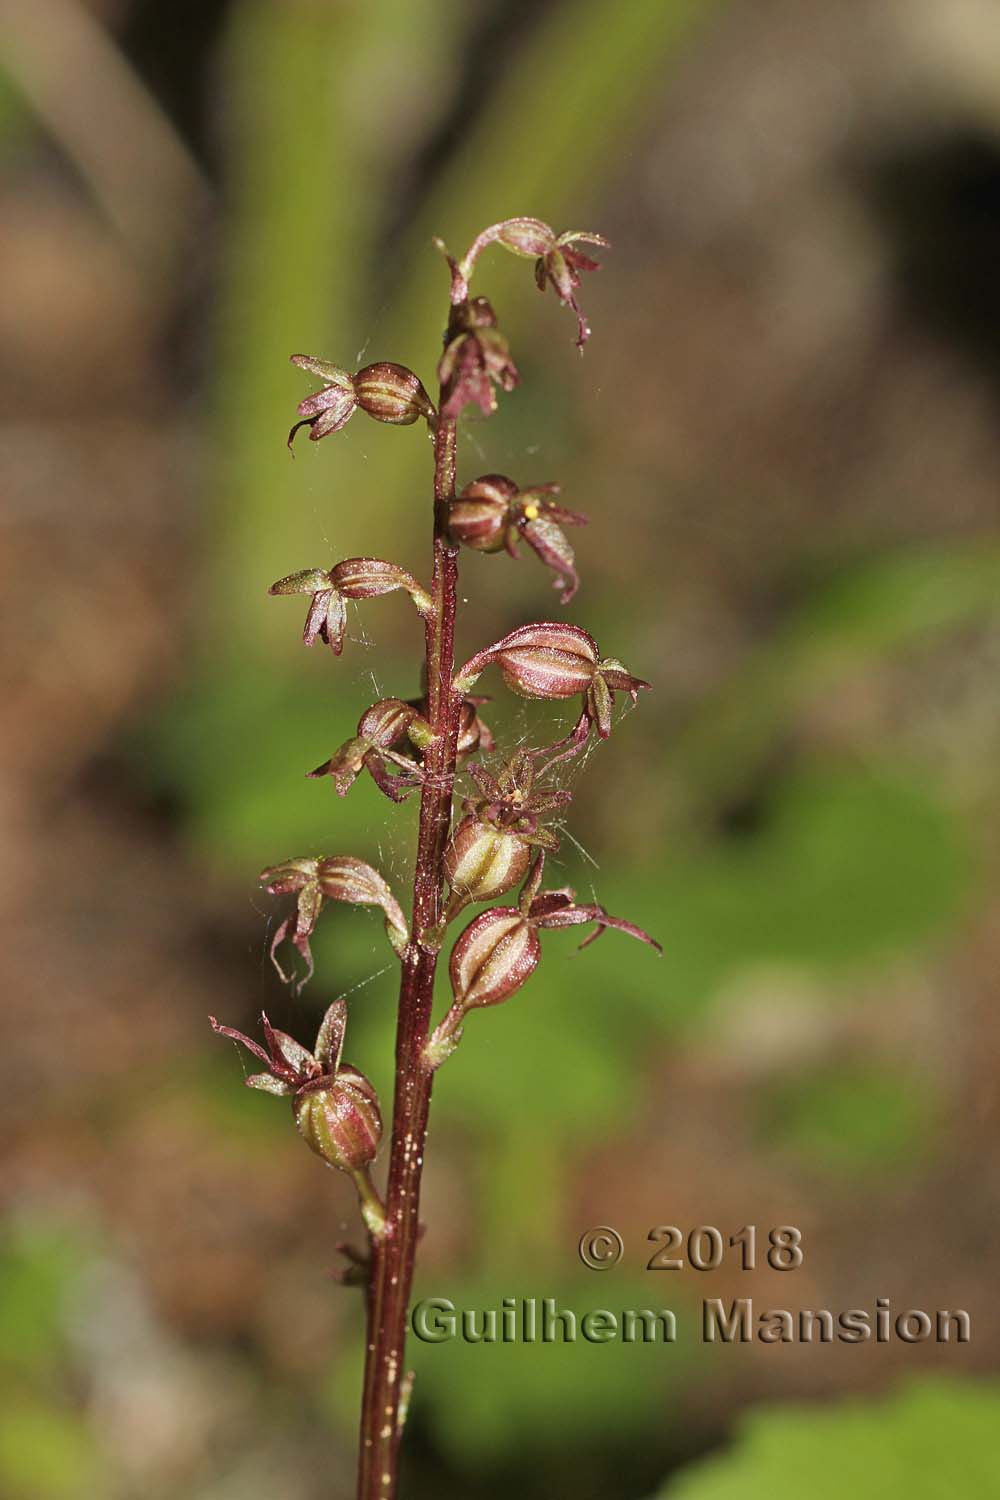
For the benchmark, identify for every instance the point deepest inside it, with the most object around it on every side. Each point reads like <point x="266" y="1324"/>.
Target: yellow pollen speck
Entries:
<point x="531" y="512"/>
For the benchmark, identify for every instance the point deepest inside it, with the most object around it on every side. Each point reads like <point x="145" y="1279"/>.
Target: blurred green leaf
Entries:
<point x="485" y="1401"/>
<point x="856" y="1119"/>
<point x="869" y="611"/>
<point x="46" y="1453"/>
<point x="38" y="1267"/>
<point x="15" y="118"/>
<point x="852" y="865"/>
<point x="936" y="1439"/>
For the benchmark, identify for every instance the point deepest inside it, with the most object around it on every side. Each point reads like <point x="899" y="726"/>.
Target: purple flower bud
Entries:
<point x="480" y="515"/>
<point x="386" y="391"/>
<point x="336" y="1108"/>
<point x="500" y="949"/>
<point x="380" y="729"/>
<point x="340" y="1120"/>
<point x="554" y="661"/>
<point x="392" y="393"/>
<point x="493" y="957"/>
<point x="370" y="578"/>
<point x="547" y="660"/>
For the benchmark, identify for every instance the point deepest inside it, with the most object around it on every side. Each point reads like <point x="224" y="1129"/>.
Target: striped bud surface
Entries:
<point x="371" y="577"/>
<point x="340" y="1120"/>
<point x="481" y="861"/>
<point x="391" y="393"/>
<point x="548" y="661"/>
<point x="480" y="515"/>
<point x="290" y="875"/>
<point x="493" y="957"/>
<point x="386" y="722"/>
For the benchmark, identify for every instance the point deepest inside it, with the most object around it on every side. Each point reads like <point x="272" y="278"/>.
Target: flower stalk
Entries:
<point x="497" y="840"/>
<point x="393" y="1255"/>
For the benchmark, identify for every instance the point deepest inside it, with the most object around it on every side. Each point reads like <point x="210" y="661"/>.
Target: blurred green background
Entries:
<point x="784" y="432"/>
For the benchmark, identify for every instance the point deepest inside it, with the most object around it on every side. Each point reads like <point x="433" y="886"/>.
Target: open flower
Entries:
<point x="558" y="261"/>
<point x="500" y="950"/>
<point x="381" y="729"/>
<point x="560" y="266"/>
<point x="555" y="661"/>
<point x="336" y="1108"/>
<point x="476" y="357"/>
<point x="492" y="513"/>
<point x="511" y="800"/>
<point x="355" y="578"/>
<point x="337" y="877"/>
<point x="490" y="849"/>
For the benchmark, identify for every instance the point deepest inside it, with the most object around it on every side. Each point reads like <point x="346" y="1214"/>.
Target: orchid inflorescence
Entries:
<point x="503" y="830"/>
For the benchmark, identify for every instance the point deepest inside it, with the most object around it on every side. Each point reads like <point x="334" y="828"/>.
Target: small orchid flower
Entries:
<point x="492" y="513"/>
<point x="336" y="1108"/>
<point x="355" y="578"/>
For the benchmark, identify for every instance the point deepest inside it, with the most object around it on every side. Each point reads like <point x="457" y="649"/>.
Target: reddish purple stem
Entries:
<point x="392" y="1259"/>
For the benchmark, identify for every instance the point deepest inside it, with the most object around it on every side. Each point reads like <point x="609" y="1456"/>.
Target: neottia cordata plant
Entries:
<point x="496" y="841"/>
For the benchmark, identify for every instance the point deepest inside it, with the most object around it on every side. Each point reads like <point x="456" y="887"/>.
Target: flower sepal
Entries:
<point x="476" y="357"/>
<point x="313" y="880"/>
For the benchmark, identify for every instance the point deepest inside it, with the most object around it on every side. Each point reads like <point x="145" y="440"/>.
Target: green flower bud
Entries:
<point x="482" y="861"/>
<point x="340" y="1119"/>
